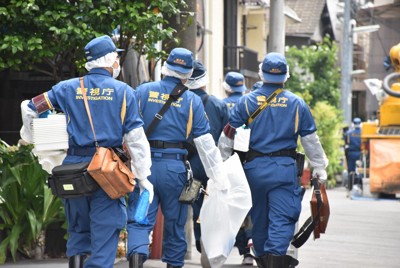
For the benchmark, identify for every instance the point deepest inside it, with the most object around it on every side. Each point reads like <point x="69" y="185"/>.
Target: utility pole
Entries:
<point x="346" y="63"/>
<point x="276" y="39"/>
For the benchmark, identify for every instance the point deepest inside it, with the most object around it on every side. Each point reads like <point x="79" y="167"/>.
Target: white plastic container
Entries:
<point x="242" y="139"/>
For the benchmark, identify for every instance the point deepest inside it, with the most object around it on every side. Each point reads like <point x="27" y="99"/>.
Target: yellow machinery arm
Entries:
<point x="381" y="139"/>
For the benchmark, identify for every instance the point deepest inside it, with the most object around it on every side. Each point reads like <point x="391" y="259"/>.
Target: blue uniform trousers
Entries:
<point x="352" y="157"/>
<point x="168" y="177"/>
<point x="276" y="197"/>
<point x="94" y="225"/>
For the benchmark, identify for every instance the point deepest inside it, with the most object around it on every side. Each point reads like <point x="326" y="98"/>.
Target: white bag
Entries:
<point x="223" y="212"/>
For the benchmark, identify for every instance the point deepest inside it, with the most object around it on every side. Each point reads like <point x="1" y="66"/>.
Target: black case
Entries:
<point x="190" y="191"/>
<point x="72" y="180"/>
<point x="300" y="158"/>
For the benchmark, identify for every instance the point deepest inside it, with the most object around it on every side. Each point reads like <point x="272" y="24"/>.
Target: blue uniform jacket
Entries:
<point x="185" y="117"/>
<point x="284" y="119"/>
<point x="217" y="113"/>
<point x="354" y="139"/>
<point x="112" y="105"/>
<point x="232" y="99"/>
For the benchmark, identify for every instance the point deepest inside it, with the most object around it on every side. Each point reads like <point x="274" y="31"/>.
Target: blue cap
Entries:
<point x="199" y="71"/>
<point x="357" y="121"/>
<point x="235" y="81"/>
<point x="180" y="60"/>
<point x="99" y="47"/>
<point x="274" y="68"/>
<point x="256" y="85"/>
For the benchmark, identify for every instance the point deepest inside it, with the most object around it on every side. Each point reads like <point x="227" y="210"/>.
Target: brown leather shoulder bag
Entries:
<point x="106" y="168"/>
<point x="318" y="221"/>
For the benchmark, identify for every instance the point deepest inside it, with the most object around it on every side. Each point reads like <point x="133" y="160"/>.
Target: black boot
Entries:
<point x="136" y="260"/>
<point x="198" y="246"/>
<point x="76" y="261"/>
<point x="261" y="261"/>
<point x="286" y="261"/>
<point x="290" y="261"/>
<point x="170" y="266"/>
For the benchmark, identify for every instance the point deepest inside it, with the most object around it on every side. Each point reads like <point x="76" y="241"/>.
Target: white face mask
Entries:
<point x="116" y="71"/>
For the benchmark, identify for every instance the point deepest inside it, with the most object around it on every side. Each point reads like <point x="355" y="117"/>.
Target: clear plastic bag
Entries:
<point x="223" y="212"/>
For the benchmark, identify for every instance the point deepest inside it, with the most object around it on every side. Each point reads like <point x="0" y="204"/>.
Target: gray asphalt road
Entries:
<point x="360" y="233"/>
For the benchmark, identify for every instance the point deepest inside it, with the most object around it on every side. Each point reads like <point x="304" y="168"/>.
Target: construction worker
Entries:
<point x="270" y="165"/>
<point x="95" y="222"/>
<point x="185" y="119"/>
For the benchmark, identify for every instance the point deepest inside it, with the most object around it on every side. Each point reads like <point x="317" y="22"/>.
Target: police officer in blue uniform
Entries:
<point x="95" y="222"/>
<point x="256" y="85"/>
<point x="234" y="87"/>
<point x="184" y="119"/>
<point x="271" y="166"/>
<point x="353" y="142"/>
<point x="218" y="115"/>
<point x="353" y="153"/>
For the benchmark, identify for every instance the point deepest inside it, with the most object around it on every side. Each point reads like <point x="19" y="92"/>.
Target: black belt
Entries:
<point x="81" y="151"/>
<point x="174" y="156"/>
<point x="251" y="154"/>
<point x="86" y="151"/>
<point x="166" y="145"/>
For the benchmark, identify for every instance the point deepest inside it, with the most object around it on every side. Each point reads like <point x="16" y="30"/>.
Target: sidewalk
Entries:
<point x="234" y="261"/>
<point x="361" y="233"/>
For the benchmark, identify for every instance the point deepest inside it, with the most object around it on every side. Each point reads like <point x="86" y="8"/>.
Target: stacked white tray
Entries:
<point x="50" y="133"/>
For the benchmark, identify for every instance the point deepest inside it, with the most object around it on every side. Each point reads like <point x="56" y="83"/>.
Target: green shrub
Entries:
<point x="315" y="76"/>
<point x="329" y="121"/>
<point x="27" y="205"/>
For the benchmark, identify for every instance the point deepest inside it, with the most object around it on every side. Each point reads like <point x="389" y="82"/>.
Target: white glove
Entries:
<point x="320" y="173"/>
<point x="27" y="115"/>
<point x="146" y="185"/>
<point x="225" y="146"/>
<point x="211" y="159"/>
<point x="139" y="150"/>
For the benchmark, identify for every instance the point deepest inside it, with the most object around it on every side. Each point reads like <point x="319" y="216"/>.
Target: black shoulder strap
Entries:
<point x="205" y="99"/>
<point x="175" y="94"/>
<point x="305" y="231"/>
<point x="263" y="106"/>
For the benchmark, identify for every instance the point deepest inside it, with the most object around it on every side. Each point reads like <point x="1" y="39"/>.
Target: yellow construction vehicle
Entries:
<point x="380" y="139"/>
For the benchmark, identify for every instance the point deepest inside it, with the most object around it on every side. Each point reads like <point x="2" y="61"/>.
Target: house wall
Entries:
<point x="214" y="45"/>
<point x="256" y="34"/>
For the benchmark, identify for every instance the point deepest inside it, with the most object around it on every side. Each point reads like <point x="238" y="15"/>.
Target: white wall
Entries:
<point x="213" y="46"/>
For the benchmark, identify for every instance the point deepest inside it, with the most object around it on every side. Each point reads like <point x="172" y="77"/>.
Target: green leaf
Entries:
<point x="3" y="249"/>
<point x="4" y="46"/>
